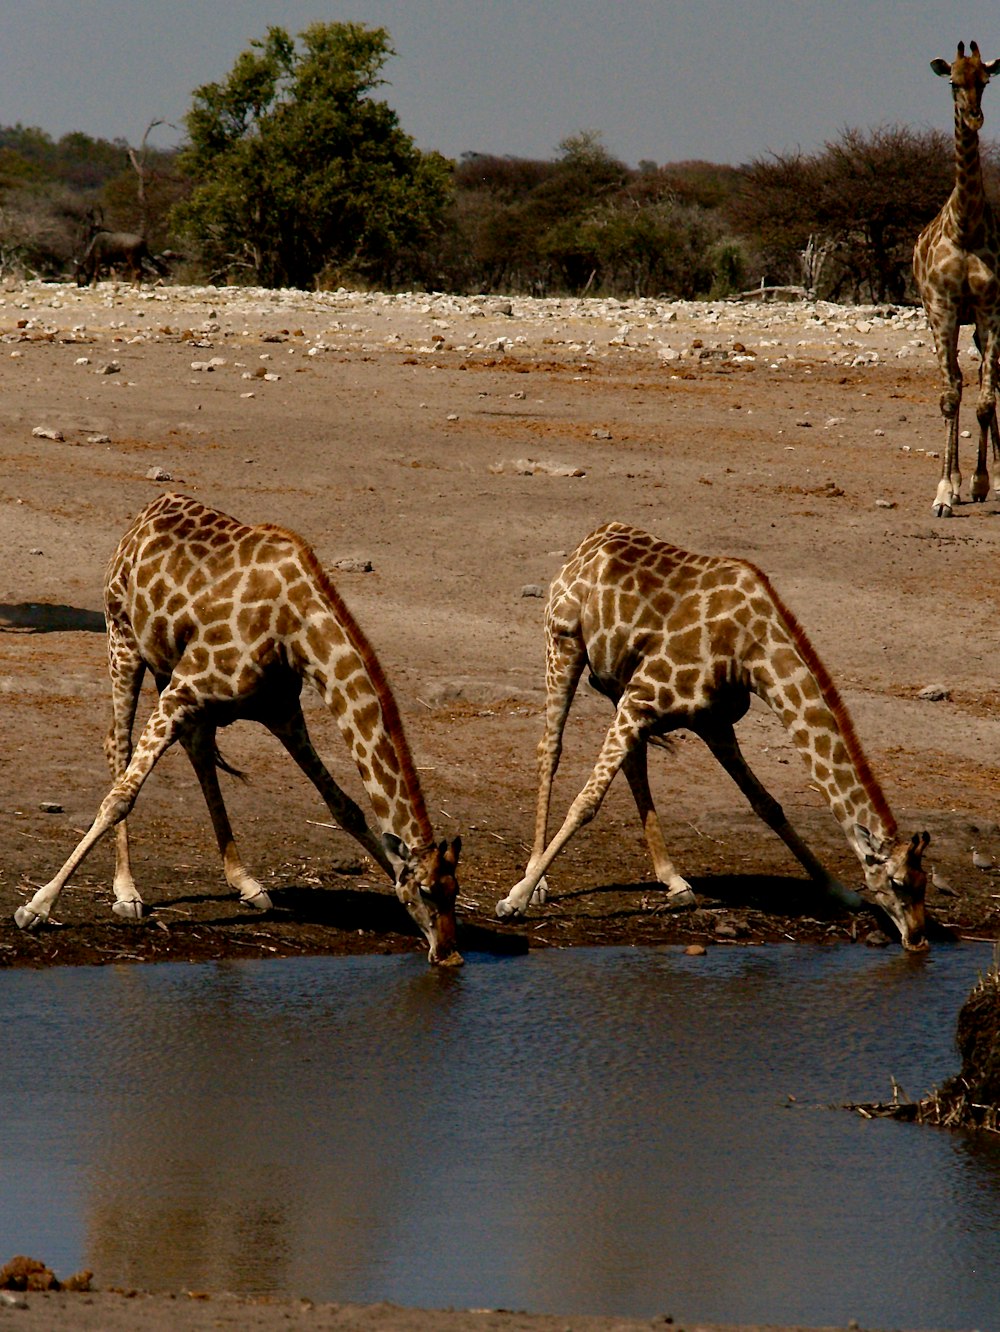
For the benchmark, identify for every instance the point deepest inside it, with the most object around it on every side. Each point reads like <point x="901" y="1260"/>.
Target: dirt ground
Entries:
<point x="462" y="448"/>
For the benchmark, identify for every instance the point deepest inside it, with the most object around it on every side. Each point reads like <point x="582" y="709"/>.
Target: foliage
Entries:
<point x="297" y="171"/>
<point x="864" y="199"/>
<point x="584" y="222"/>
<point x="53" y="191"/>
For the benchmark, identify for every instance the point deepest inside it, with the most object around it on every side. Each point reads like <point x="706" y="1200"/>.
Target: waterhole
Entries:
<point x="628" y="1131"/>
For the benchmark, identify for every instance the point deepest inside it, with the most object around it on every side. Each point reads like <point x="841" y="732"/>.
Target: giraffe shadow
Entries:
<point x="343" y="909"/>
<point x="41" y="618"/>
<point x="780" y="896"/>
<point x="774" y="894"/>
<point x="355" y="909"/>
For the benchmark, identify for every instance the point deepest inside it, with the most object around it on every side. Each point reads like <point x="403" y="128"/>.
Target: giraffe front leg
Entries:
<point x="721" y="740"/>
<point x="947" y="498"/>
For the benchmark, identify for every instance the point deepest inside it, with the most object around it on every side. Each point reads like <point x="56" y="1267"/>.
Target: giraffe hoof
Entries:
<point x="259" y="901"/>
<point x="506" y="909"/>
<point x="26" y="919"/>
<point x="942" y="511"/>
<point x="677" y="898"/>
<point x="128" y="910"/>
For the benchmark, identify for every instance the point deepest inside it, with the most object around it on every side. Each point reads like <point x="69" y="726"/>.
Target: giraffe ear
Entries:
<point x="398" y="854"/>
<point x="942" y="68"/>
<point x="991" y="66"/>
<point x="870" y="848"/>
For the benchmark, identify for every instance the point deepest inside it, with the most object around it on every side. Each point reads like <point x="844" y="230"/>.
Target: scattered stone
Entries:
<point x="50" y="807"/>
<point x="158" y="474"/>
<point x="934" y="693"/>
<point x="601" y="434"/>
<point x="695" y="950"/>
<point x="349" y="565"/>
<point x="885" y="504"/>
<point x="876" y="939"/>
<point x="112" y="368"/>
<point x="534" y="467"/>
<point x="48" y="432"/>
<point x="98" y="439"/>
<point x="532" y="590"/>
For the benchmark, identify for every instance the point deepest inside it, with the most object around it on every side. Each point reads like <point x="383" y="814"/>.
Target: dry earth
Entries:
<point x="463" y="447"/>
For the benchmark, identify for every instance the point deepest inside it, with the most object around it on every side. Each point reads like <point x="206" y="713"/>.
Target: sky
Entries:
<point x="657" y="80"/>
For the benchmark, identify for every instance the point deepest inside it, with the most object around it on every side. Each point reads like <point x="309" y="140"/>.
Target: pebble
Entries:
<point x="353" y="566"/>
<point x="695" y="950"/>
<point x="158" y="474"/>
<point x="47" y="432"/>
<point x="934" y="693"/>
<point x="50" y="807"/>
<point x="532" y="590"/>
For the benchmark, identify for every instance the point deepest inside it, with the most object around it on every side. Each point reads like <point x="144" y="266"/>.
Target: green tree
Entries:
<point x="298" y="171"/>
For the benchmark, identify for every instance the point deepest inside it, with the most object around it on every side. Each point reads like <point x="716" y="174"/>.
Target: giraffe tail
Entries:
<point x="223" y="766"/>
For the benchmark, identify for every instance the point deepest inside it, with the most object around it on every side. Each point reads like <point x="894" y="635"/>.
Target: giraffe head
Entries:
<point x="896" y="879"/>
<point x="969" y="75"/>
<point x="427" y="887"/>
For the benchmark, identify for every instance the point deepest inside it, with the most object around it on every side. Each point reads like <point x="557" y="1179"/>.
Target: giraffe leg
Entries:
<point x="293" y="734"/>
<point x="721" y="740"/>
<point x="986" y="408"/>
<point x="679" y="892"/>
<point x="126" y="669"/>
<point x="199" y="743"/>
<point x="172" y="714"/>
<point x="946" y="344"/>
<point x="623" y="735"/>
<point x="565" y="658"/>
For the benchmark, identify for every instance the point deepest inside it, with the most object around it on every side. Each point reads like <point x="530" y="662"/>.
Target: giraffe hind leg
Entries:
<point x="679" y="893"/>
<point x="126" y="670"/>
<point x="565" y="659"/>
<point x="200" y="746"/>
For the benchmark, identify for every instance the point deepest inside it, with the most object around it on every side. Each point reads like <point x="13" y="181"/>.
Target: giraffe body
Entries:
<point x="230" y="621"/>
<point x="956" y="265"/>
<point x="677" y="640"/>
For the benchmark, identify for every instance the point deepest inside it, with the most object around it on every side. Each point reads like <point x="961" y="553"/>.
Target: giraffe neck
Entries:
<point x="968" y="198"/>
<point x="787" y="673"/>
<point x="332" y="651"/>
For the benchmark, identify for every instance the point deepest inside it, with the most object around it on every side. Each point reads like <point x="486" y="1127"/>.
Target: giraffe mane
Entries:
<point x="832" y="699"/>
<point x="359" y="641"/>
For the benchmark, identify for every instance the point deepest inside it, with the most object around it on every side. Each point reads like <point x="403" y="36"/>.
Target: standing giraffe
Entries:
<point x="231" y="620"/>
<point x="956" y="264"/>
<point x="680" y="640"/>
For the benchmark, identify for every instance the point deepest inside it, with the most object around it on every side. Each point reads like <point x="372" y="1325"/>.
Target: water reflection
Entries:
<point x="588" y="1131"/>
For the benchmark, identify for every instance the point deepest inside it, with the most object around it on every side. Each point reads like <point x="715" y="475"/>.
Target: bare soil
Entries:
<point x="463" y="448"/>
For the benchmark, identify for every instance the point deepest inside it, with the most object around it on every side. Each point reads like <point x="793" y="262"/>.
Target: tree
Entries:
<point x="297" y="169"/>
<point x="861" y="202"/>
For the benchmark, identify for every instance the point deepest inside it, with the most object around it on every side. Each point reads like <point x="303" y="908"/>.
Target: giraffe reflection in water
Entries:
<point x="677" y="640"/>
<point x="230" y="620"/>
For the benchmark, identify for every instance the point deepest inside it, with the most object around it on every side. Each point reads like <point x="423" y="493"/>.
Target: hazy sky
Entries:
<point x="657" y="79"/>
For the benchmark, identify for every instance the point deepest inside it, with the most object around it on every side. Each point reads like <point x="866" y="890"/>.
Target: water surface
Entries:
<point x="588" y="1131"/>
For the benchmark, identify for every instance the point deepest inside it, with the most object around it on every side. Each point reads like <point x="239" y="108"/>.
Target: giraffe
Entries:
<point x="675" y="640"/>
<point x="231" y="620"/>
<point x="956" y="265"/>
